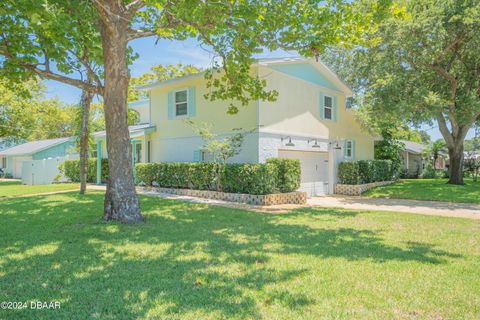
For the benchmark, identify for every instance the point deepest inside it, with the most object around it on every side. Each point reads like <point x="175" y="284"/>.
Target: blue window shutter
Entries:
<point x="191" y="102"/>
<point x="353" y="150"/>
<point x="196" y="156"/>
<point x="322" y="106"/>
<point x="334" y="117"/>
<point x="170" y="105"/>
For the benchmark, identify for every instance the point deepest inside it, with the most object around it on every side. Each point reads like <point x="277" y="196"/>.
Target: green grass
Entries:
<point x="15" y="188"/>
<point x="193" y="261"/>
<point x="429" y="189"/>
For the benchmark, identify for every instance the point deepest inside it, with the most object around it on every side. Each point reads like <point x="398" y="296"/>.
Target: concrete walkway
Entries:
<point x="436" y="208"/>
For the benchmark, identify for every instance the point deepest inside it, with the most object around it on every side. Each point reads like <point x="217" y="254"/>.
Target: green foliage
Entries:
<point x="366" y="171"/>
<point x="289" y="173"/>
<point x="279" y="175"/>
<point x="71" y="170"/>
<point x="429" y="172"/>
<point x="349" y="172"/>
<point x="196" y="175"/>
<point x="158" y="73"/>
<point x="25" y="113"/>
<point x="390" y="148"/>
<point x="250" y="178"/>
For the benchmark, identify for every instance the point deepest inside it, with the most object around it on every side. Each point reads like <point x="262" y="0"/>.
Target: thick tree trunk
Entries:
<point x="456" y="163"/>
<point x="121" y="202"/>
<point x="87" y="97"/>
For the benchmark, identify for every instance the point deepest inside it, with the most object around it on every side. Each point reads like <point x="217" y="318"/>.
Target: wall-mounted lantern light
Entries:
<point x="289" y="143"/>
<point x="315" y="145"/>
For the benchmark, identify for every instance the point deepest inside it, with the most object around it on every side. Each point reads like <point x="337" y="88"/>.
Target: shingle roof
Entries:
<point x="32" y="147"/>
<point x="413" y="147"/>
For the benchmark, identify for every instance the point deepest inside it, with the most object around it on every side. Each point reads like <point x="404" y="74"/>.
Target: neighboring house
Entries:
<point x="311" y="120"/>
<point x="12" y="159"/>
<point x="412" y="156"/>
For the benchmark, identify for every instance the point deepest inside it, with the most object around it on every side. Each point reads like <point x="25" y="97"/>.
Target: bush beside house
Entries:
<point x="365" y="171"/>
<point x="277" y="175"/>
<point x="71" y="170"/>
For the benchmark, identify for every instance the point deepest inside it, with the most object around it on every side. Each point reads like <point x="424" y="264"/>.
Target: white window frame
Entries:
<point x="325" y="107"/>
<point x="175" y="103"/>
<point x="347" y="148"/>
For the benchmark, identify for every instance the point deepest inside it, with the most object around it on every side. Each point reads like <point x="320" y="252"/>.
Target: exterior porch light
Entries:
<point x="289" y="143"/>
<point x="315" y="145"/>
<point x="337" y="146"/>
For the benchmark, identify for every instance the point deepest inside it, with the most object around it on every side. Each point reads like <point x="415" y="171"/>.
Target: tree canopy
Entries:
<point x="425" y="67"/>
<point x="25" y="113"/>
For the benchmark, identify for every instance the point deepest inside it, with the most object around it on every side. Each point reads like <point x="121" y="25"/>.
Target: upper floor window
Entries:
<point x="349" y="102"/>
<point x="349" y="149"/>
<point x="328" y="107"/>
<point x="181" y="103"/>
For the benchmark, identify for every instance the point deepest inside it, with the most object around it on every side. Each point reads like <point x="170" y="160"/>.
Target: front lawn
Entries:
<point x="429" y="189"/>
<point x="16" y="188"/>
<point x="194" y="261"/>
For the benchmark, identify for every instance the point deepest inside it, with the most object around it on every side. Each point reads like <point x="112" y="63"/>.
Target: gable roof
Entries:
<point x="309" y="70"/>
<point x="32" y="147"/>
<point x="324" y="75"/>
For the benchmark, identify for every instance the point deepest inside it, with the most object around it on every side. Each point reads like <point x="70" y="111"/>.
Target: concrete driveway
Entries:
<point x="435" y="208"/>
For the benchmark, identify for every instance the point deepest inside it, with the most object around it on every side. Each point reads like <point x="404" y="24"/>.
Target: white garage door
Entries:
<point x="314" y="165"/>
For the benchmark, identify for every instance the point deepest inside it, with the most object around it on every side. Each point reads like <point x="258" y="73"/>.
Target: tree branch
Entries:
<point x="442" y="126"/>
<point x="138" y="33"/>
<point x="133" y="7"/>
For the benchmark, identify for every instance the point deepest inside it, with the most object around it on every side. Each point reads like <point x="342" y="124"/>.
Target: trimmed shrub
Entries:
<point x="429" y="172"/>
<point x="71" y="170"/>
<point x="235" y="178"/>
<point x="382" y="170"/>
<point x="250" y="178"/>
<point x="197" y="175"/>
<point x="365" y="171"/>
<point x="348" y="173"/>
<point x="289" y="173"/>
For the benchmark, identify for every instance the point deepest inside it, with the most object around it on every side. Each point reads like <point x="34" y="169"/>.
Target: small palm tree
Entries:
<point x="436" y="150"/>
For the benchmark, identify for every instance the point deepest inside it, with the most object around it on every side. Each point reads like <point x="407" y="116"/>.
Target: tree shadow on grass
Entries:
<point x="188" y="259"/>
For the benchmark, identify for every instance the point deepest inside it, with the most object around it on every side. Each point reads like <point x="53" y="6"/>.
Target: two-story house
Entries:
<point x="311" y="120"/>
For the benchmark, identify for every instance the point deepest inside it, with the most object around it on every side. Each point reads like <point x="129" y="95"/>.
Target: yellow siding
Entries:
<point x="297" y="111"/>
<point x="212" y="112"/>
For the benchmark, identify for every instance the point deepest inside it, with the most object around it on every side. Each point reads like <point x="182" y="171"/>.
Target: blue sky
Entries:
<point x="173" y="52"/>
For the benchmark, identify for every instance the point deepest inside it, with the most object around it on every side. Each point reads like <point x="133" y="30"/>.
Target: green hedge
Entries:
<point x="250" y="178"/>
<point x="198" y="175"/>
<point x="365" y="171"/>
<point x="279" y="175"/>
<point x="71" y="170"/>
<point x="288" y="173"/>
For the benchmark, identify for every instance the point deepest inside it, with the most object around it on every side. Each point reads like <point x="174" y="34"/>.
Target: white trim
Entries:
<point x="175" y="104"/>
<point x="351" y="149"/>
<point x="325" y="106"/>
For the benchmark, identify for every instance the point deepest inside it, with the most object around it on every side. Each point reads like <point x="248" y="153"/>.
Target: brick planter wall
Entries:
<point x="358" y="189"/>
<point x="263" y="200"/>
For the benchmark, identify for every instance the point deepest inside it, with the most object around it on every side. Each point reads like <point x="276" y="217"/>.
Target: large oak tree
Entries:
<point x="425" y="68"/>
<point x="37" y="34"/>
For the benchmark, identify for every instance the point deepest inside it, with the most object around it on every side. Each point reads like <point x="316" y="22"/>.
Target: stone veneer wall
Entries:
<point x="263" y="200"/>
<point x="358" y="189"/>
